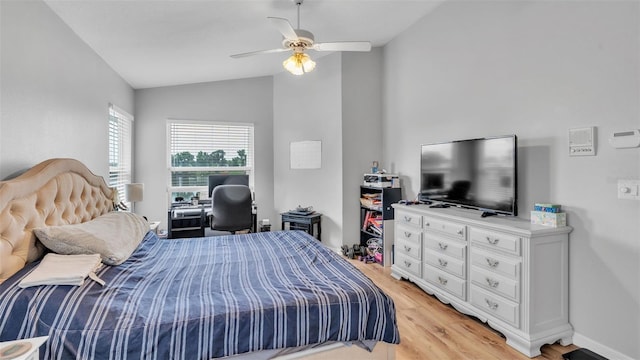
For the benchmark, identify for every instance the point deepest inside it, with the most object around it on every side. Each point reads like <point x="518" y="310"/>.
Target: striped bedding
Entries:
<point x="203" y="298"/>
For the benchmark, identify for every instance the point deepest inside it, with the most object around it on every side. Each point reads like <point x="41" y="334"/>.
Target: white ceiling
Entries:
<point x="154" y="43"/>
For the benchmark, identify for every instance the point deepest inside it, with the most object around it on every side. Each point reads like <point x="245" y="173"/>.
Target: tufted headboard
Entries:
<point x="54" y="192"/>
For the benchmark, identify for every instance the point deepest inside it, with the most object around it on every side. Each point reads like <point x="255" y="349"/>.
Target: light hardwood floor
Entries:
<point x="430" y="329"/>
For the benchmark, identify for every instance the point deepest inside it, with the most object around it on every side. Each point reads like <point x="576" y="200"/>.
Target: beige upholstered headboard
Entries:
<point x="54" y="192"/>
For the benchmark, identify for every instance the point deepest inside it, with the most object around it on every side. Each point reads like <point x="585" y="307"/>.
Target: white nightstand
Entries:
<point x="153" y="226"/>
<point x="32" y="354"/>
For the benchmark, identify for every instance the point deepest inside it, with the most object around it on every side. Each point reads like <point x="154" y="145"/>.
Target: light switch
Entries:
<point x="629" y="189"/>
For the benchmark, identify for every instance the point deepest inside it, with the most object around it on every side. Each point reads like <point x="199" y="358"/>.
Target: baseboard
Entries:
<point x="598" y="348"/>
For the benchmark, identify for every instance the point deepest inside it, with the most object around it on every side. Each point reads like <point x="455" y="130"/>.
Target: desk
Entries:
<point x="303" y="222"/>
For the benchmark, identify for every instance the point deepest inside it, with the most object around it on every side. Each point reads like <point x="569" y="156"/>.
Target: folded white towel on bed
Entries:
<point x="55" y="269"/>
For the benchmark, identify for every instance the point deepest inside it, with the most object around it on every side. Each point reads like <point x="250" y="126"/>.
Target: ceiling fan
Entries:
<point x="299" y="41"/>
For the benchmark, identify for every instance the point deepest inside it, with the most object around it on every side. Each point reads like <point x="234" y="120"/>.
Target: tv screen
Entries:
<point x="229" y="179"/>
<point x="474" y="173"/>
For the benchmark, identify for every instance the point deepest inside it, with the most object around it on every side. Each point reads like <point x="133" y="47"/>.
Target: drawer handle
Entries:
<point x="427" y="224"/>
<point x="442" y="246"/>
<point x="407" y="234"/>
<point x="407" y="218"/>
<point x="492" y="262"/>
<point x="492" y="283"/>
<point x="493" y="241"/>
<point x="407" y="263"/>
<point x="492" y="304"/>
<point x="460" y="232"/>
<point x="442" y="280"/>
<point x="407" y="248"/>
<point x="443" y="263"/>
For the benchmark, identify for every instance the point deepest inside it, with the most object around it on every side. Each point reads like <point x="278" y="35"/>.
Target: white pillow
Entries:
<point x="114" y="235"/>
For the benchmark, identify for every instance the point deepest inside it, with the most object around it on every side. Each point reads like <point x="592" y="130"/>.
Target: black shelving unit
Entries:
<point x="186" y="224"/>
<point x="379" y="209"/>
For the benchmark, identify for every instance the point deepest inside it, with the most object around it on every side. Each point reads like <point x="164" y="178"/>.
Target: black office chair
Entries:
<point x="231" y="208"/>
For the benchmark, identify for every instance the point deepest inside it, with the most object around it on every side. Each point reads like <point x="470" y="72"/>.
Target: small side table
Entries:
<point x="153" y="226"/>
<point x="303" y="222"/>
<point x="32" y="353"/>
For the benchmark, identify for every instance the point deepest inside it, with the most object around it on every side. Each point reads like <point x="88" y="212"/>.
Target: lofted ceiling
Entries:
<point x="153" y="43"/>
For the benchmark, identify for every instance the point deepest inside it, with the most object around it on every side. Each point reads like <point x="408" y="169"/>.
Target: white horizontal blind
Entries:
<point x="120" y="148"/>
<point x="197" y="149"/>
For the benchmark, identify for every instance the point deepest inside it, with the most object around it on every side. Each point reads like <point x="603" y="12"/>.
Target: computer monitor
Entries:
<point x="236" y="179"/>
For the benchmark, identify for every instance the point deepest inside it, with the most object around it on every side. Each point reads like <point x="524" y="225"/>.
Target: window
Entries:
<point x="197" y="149"/>
<point x="120" y="141"/>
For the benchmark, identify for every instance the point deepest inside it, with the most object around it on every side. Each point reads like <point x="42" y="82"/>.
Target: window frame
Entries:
<point x="123" y="147"/>
<point x="203" y="189"/>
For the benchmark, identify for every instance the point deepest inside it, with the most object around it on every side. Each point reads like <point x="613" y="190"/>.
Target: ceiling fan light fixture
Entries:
<point x="299" y="63"/>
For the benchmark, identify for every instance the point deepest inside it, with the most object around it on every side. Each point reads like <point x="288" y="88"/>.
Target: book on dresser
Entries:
<point x="507" y="272"/>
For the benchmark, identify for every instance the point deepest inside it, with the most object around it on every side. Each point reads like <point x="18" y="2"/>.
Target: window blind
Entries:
<point x="120" y="149"/>
<point x="197" y="149"/>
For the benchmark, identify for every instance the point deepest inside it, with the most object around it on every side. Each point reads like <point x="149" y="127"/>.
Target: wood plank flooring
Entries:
<point x="430" y="329"/>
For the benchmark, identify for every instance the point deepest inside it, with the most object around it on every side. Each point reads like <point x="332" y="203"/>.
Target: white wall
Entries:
<point x="54" y="92"/>
<point x="537" y="69"/>
<point x="361" y="131"/>
<point x="309" y="107"/>
<point x="246" y="101"/>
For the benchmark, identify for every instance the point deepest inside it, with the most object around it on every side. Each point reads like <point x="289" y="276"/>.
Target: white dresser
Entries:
<point x="503" y="270"/>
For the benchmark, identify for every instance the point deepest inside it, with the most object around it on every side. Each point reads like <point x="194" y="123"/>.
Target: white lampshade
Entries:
<point x="299" y="63"/>
<point x="134" y="192"/>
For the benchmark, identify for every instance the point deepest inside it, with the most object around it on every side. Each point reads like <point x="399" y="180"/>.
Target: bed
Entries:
<point x="254" y="296"/>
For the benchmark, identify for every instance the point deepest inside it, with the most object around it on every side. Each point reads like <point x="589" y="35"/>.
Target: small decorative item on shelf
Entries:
<point x="548" y="215"/>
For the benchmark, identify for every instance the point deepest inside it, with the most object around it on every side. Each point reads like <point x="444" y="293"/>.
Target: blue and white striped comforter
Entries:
<point x="203" y="298"/>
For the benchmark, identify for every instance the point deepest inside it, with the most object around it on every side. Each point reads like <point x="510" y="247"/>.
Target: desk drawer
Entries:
<point x="496" y="240"/>
<point x="443" y="262"/>
<point x="445" y="246"/>
<point x="457" y="231"/>
<point x="445" y="281"/>
<point x="408" y="233"/>
<point x="495" y="305"/>
<point x="495" y="283"/>
<point x="408" y="218"/>
<point x="408" y="264"/>
<point x="408" y="248"/>
<point x="498" y="264"/>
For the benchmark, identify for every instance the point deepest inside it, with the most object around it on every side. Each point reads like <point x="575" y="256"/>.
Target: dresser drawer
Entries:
<point x="408" y="264"/>
<point x="456" y="230"/>
<point x="447" y="263"/>
<point x="408" y="218"/>
<point x="409" y="233"/>
<point x="495" y="263"/>
<point x="445" y="246"/>
<point x="495" y="305"/>
<point x="496" y="240"/>
<point x="445" y="281"/>
<point x="408" y="248"/>
<point x="497" y="284"/>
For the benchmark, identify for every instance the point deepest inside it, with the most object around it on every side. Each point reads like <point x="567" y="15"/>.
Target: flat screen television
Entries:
<point x="227" y="179"/>
<point x="474" y="173"/>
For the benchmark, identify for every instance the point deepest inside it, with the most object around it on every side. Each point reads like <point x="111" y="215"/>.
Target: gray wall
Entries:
<point x="246" y="101"/>
<point x="361" y="131"/>
<point x="54" y="92"/>
<point x="309" y="107"/>
<point x="537" y="69"/>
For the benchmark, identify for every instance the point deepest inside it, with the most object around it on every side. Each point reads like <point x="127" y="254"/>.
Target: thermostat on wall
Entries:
<point x="582" y="141"/>
<point x="625" y="139"/>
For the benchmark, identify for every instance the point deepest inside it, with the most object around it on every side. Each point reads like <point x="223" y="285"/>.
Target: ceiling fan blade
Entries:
<point x="259" y="52"/>
<point x="343" y="46"/>
<point x="285" y="28"/>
